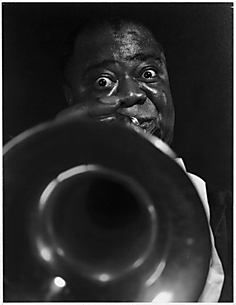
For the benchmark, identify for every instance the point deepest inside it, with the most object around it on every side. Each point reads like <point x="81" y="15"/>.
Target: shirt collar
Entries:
<point x="181" y="163"/>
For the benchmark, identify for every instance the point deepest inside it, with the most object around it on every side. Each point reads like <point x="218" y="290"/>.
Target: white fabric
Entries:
<point x="215" y="279"/>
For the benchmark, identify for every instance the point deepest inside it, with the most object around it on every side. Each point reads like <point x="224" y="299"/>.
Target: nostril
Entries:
<point x="141" y="100"/>
<point x="132" y="99"/>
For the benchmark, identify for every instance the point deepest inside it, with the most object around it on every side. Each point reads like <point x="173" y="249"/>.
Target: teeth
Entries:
<point x="134" y="121"/>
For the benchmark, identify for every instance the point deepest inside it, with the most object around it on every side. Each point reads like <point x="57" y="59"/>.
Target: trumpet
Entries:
<point x="98" y="213"/>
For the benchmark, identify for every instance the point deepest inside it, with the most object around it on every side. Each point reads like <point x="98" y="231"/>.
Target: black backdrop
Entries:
<point x="198" y="43"/>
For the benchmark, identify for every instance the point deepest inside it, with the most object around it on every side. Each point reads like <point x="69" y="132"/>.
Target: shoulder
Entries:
<point x="218" y="205"/>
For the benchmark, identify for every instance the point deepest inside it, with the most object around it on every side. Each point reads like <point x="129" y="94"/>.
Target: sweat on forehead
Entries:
<point x="122" y="31"/>
<point x="120" y="37"/>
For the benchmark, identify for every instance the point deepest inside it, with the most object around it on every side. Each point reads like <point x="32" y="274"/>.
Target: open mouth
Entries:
<point x="148" y="125"/>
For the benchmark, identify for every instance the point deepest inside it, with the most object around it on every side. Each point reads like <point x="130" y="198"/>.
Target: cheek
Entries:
<point x="159" y="96"/>
<point x="151" y="90"/>
<point x="85" y="94"/>
<point x="89" y="90"/>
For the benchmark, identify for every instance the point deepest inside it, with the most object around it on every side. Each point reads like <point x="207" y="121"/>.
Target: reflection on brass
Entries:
<point x="93" y="213"/>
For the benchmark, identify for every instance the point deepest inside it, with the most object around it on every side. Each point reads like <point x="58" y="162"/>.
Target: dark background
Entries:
<point x="198" y="43"/>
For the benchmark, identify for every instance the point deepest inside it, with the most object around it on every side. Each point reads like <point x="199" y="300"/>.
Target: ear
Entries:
<point x="68" y="94"/>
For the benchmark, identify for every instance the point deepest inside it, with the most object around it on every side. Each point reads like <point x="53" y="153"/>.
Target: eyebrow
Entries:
<point x="101" y="64"/>
<point x="138" y="56"/>
<point x="143" y="57"/>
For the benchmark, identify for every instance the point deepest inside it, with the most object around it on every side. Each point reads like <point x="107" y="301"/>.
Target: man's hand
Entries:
<point x="104" y="109"/>
<point x="96" y="110"/>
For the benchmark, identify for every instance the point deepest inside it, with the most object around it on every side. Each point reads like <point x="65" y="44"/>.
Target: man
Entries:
<point x="117" y="71"/>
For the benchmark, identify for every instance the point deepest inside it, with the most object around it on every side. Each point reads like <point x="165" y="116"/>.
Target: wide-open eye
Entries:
<point x="149" y="74"/>
<point x="104" y="82"/>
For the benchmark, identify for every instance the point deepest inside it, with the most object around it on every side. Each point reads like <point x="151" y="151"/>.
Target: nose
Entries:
<point x="130" y="94"/>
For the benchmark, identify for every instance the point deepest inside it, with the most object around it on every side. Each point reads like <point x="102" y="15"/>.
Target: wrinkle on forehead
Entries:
<point x="106" y="43"/>
<point x="130" y="39"/>
<point x="126" y="41"/>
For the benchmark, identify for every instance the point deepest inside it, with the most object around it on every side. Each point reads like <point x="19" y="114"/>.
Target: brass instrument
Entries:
<point x="99" y="214"/>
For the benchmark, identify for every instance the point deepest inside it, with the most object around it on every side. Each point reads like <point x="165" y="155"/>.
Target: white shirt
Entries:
<point x="215" y="278"/>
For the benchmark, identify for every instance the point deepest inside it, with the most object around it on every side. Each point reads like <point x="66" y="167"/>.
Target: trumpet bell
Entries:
<point x="93" y="213"/>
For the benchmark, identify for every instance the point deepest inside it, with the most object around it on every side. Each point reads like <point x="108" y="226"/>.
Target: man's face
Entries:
<point x="129" y="65"/>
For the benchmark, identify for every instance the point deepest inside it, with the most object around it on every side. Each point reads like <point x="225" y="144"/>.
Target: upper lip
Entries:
<point x="135" y="120"/>
<point x="147" y="124"/>
<point x="143" y="120"/>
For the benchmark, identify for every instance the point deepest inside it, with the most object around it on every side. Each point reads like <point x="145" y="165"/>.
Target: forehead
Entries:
<point x="107" y="43"/>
